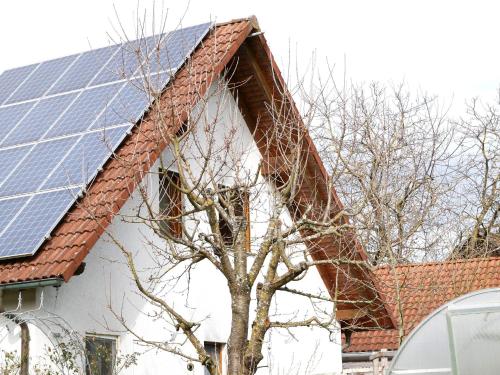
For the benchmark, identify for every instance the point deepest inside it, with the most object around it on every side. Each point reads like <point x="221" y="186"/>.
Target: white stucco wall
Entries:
<point x="86" y="301"/>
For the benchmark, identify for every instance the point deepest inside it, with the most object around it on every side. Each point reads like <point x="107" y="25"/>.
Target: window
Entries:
<point x="237" y="200"/>
<point x="100" y="353"/>
<point x="215" y="351"/>
<point x="170" y="204"/>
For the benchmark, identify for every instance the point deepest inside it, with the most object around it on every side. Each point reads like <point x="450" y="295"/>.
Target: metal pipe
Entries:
<point x="56" y="282"/>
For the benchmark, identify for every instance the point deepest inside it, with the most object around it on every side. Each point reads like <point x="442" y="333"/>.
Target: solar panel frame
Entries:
<point x="123" y="97"/>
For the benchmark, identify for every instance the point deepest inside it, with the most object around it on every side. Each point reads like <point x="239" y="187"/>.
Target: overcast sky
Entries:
<point x="449" y="48"/>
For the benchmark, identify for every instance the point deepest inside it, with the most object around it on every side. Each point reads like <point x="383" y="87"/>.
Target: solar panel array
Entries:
<point x="62" y="119"/>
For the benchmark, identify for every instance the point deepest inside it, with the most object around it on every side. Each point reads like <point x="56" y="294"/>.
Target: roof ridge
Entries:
<point x="252" y="19"/>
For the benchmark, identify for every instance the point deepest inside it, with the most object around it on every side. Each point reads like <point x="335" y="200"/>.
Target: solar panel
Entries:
<point x="83" y="70"/>
<point x="36" y="167"/>
<point x="34" y="222"/>
<point x="174" y="48"/>
<point x="9" y="208"/>
<point x="84" y="110"/>
<point x="62" y="119"/>
<point x="123" y="64"/>
<point x="33" y="126"/>
<point x="127" y="107"/>
<point x="11" y="79"/>
<point x="84" y="160"/>
<point x="10" y="116"/>
<point x="37" y="84"/>
<point x="9" y="158"/>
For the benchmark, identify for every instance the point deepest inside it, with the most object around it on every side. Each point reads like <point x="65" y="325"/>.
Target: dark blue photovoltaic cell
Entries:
<point x="34" y="223"/>
<point x="36" y="167"/>
<point x="82" y="163"/>
<point x="10" y="116"/>
<point x="9" y="159"/>
<point x="9" y="208"/>
<point x="84" y="110"/>
<point x="11" y="79"/>
<point x="175" y="47"/>
<point x="83" y="70"/>
<point x="39" y="120"/>
<point x="127" y="107"/>
<point x="41" y="79"/>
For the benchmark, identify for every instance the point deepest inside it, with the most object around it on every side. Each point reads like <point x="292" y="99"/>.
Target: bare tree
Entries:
<point x="390" y="157"/>
<point x="477" y="193"/>
<point x="237" y="199"/>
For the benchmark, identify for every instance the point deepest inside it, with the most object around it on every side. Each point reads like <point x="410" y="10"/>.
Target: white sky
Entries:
<point x="449" y="48"/>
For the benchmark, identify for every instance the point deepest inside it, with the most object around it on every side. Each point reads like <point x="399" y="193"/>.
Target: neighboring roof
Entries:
<point x="424" y="288"/>
<point x="228" y="46"/>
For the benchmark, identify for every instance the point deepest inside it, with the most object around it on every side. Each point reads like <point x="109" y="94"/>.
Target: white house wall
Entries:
<point x="85" y="302"/>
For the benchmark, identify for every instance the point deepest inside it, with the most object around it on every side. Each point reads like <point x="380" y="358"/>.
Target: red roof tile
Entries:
<point x="422" y="289"/>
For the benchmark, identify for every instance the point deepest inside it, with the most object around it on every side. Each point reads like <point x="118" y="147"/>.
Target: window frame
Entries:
<point x="166" y="204"/>
<point x="244" y="205"/>
<point x="114" y="350"/>
<point x="219" y="352"/>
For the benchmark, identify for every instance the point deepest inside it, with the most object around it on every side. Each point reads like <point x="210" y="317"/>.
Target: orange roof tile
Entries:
<point x="422" y="289"/>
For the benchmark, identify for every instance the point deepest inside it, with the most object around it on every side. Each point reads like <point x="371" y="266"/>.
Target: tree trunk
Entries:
<point x="240" y="306"/>
<point x="25" y="349"/>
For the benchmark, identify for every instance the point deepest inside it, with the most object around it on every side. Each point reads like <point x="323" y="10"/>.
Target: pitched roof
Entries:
<point x="227" y="45"/>
<point x="422" y="289"/>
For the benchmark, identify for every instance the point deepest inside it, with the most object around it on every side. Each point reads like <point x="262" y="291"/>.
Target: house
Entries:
<point x="422" y="289"/>
<point x="73" y="179"/>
